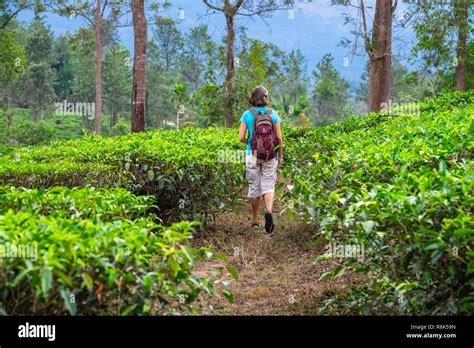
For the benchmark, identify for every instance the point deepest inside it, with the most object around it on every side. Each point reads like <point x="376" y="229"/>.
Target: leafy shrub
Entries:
<point x="181" y="169"/>
<point x="400" y="187"/>
<point x="122" y="127"/>
<point x="80" y="256"/>
<point x="32" y="133"/>
<point x="4" y="149"/>
<point x="88" y="202"/>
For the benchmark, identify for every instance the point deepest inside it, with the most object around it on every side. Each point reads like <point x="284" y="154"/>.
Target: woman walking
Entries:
<point x="263" y="155"/>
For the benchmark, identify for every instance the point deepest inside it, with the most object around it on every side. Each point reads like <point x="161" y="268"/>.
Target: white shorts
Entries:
<point x="261" y="175"/>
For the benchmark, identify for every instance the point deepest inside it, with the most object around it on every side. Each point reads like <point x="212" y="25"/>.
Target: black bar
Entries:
<point x="223" y="331"/>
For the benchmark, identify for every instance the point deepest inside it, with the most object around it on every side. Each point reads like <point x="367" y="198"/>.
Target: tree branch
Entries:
<point x="213" y="6"/>
<point x="14" y="14"/>
<point x="394" y="6"/>
<point x="262" y="11"/>
<point x="364" y="26"/>
<point x="238" y="4"/>
<point x="103" y="9"/>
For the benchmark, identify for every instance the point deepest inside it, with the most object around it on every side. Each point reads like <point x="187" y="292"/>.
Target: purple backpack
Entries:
<point x="264" y="141"/>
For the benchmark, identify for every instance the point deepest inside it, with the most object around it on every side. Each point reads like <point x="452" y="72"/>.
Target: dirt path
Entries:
<point x="276" y="274"/>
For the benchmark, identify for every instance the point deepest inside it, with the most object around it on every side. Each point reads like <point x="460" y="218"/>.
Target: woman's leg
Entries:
<point x="269" y="175"/>
<point x="268" y="198"/>
<point x="255" y="204"/>
<point x="253" y="173"/>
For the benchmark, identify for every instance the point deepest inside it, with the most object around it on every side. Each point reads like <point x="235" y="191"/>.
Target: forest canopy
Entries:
<point x="195" y="78"/>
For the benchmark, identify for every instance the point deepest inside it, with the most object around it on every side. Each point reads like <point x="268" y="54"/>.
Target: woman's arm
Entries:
<point x="242" y="131"/>
<point x="280" y="137"/>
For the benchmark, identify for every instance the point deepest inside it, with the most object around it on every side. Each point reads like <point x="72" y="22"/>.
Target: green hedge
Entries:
<point x="401" y="186"/>
<point x="87" y="202"/>
<point x="184" y="170"/>
<point x="88" y="251"/>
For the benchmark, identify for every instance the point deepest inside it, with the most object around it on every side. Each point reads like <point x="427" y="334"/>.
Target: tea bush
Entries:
<point x="78" y="251"/>
<point x="32" y="133"/>
<point x="401" y="187"/>
<point x="184" y="170"/>
<point x="88" y="202"/>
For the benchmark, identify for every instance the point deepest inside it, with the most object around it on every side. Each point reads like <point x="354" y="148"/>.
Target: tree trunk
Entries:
<point x="9" y="107"/>
<point x="461" y="51"/>
<point x="381" y="57"/>
<point x="114" y="116"/>
<point x="37" y="115"/>
<point x="229" y="114"/>
<point x="139" y="66"/>
<point x="111" y="119"/>
<point x="98" y="68"/>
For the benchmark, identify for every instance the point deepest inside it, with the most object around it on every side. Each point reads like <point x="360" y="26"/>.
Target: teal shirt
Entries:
<point x="248" y="118"/>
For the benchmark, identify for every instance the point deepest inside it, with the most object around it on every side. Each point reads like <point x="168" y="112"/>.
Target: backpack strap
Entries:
<point x="257" y="114"/>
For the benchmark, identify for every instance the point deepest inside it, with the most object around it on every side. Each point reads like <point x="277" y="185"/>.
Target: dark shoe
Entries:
<point x="255" y="225"/>
<point x="269" y="225"/>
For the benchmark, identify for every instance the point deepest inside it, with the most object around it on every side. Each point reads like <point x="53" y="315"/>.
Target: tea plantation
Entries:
<point x="400" y="186"/>
<point x="103" y="213"/>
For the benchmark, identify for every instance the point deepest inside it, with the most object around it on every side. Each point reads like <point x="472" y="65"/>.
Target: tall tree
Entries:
<point x="230" y="9"/>
<point x="117" y="82"/>
<point x="38" y="82"/>
<point x="259" y="63"/>
<point x="295" y="80"/>
<point x="462" y="14"/>
<point x="12" y="67"/>
<point x="197" y="57"/>
<point x="377" y="45"/>
<point x="94" y="12"/>
<point x="82" y="45"/>
<point x="167" y="41"/>
<point x="98" y="66"/>
<point x="63" y="68"/>
<point x="330" y="92"/>
<point x="139" y="66"/>
<point x="164" y="50"/>
<point x="160" y="85"/>
<point x="379" y="50"/>
<point x="442" y="29"/>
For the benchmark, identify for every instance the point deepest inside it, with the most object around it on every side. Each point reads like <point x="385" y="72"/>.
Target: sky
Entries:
<point x="316" y="28"/>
